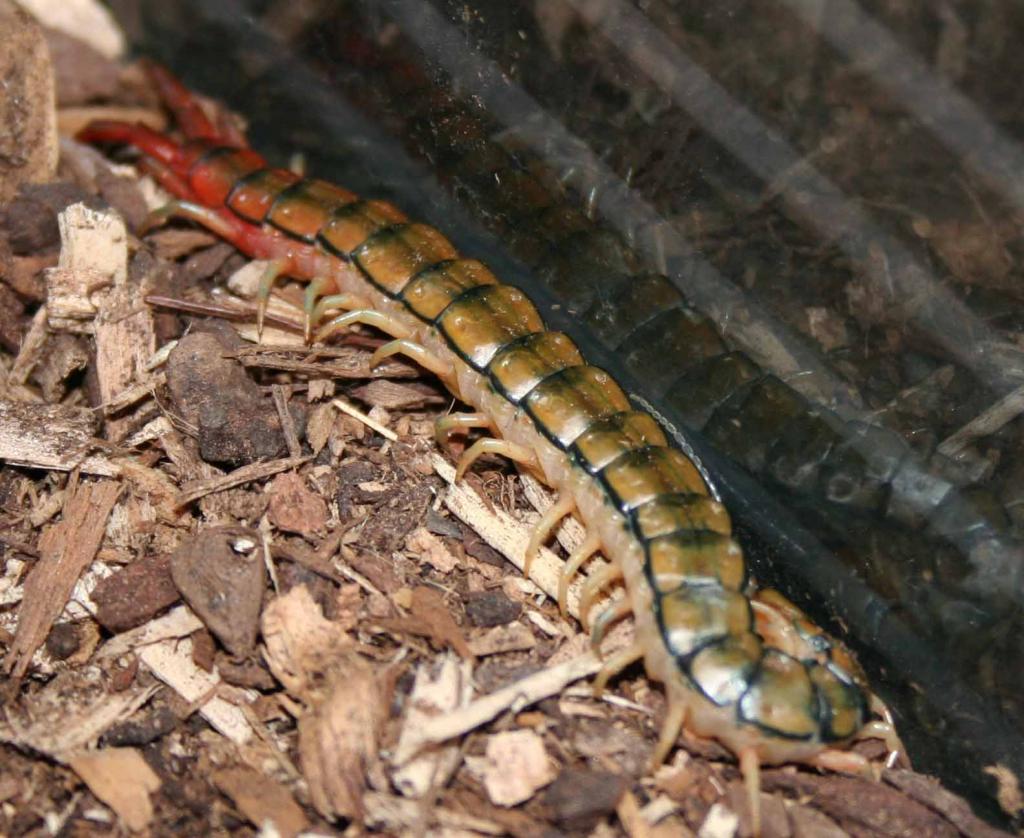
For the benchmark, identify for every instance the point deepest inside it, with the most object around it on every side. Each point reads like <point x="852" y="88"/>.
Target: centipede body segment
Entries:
<point x="748" y="670"/>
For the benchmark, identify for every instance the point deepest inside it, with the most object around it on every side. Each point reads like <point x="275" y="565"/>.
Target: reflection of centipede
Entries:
<point x="750" y="671"/>
<point x="853" y="480"/>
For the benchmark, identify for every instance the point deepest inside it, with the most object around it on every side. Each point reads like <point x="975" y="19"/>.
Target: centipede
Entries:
<point x="742" y="666"/>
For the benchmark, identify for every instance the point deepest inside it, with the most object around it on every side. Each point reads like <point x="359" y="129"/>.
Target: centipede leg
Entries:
<point x="315" y="292"/>
<point x="542" y="529"/>
<point x="387" y="324"/>
<point x="612" y="614"/>
<point x="270" y="275"/>
<point x="345" y="301"/>
<point x="750" y="768"/>
<point x="165" y="176"/>
<point x="845" y="762"/>
<point x="419" y="353"/>
<point x="590" y="545"/>
<point x="886" y="731"/>
<point x="214" y="221"/>
<point x="670" y="729"/>
<point x="447" y="425"/>
<point x="595" y="583"/>
<point x="502" y="447"/>
<point x="615" y="664"/>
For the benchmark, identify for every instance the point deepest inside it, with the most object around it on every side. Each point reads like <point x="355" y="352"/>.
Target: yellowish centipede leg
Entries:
<point x="314" y="291"/>
<point x="542" y="529"/>
<point x="845" y="762"/>
<point x="590" y="545"/>
<point x="593" y="586"/>
<point x="387" y="324"/>
<point x="315" y="305"/>
<point x="204" y="216"/>
<point x="344" y="300"/>
<point x="614" y="665"/>
<point x="750" y="768"/>
<point x="670" y="729"/>
<point x="886" y="731"/>
<point x="502" y="447"/>
<point x="453" y="422"/>
<point x="419" y="353"/>
<point x="271" y="274"/>
<point x="612" y="614"/>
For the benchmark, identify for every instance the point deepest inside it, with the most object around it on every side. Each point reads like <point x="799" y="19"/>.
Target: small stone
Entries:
<point x="137" y="593"/>
<point x="63" y="641"/>
<point x="223" y="586"/>
<point x="237" y="424"/>
<point x="578" y="798"/>
<point x="491" y="608"/>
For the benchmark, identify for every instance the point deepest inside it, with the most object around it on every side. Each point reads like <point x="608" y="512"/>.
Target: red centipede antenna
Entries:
<point x="142" y="137"/>
<point x="188" y="114"/>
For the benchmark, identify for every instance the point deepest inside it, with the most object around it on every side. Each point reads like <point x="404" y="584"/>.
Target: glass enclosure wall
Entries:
<point x="791" y="227"/>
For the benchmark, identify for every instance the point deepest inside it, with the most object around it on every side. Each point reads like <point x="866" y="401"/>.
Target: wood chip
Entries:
<point x="355" y="413"/>
<point x="52" y="437"/>
<point x="28" y="142"/>
<point x="133" y="595"/>
<point x="581" y="797"/>
<point x="238" y="477"/>
<point x="394" y="395"/>
<point x="178" y="622"/>
<point x="319" y="425"/>
<point x="86" y="20"/>
<point x="985" y="423"/>
<point x="122" y="779"/>
<point x="93" y="258"/>
<point x="427" y="547"/>
<point x="439" y="687"/>
<point x="515" y="766"/>
<point x="171" y="662"/>
<point x="294" y="508"/>
<point x="298" y="639"/>
<point x="519" y="695"/>
<point x="500" y="639"/>
<point x="721" y="822"/>
<point x="60" y="731"/>
<point x="338" y="736"/>
<point x="431" y="618"/>
<point x="264" y="802"/>
<point x="398" y="815"/>
<point x="125" y="340"/>
<point x="65" y="549"/>
<point x="507" y="535"/>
